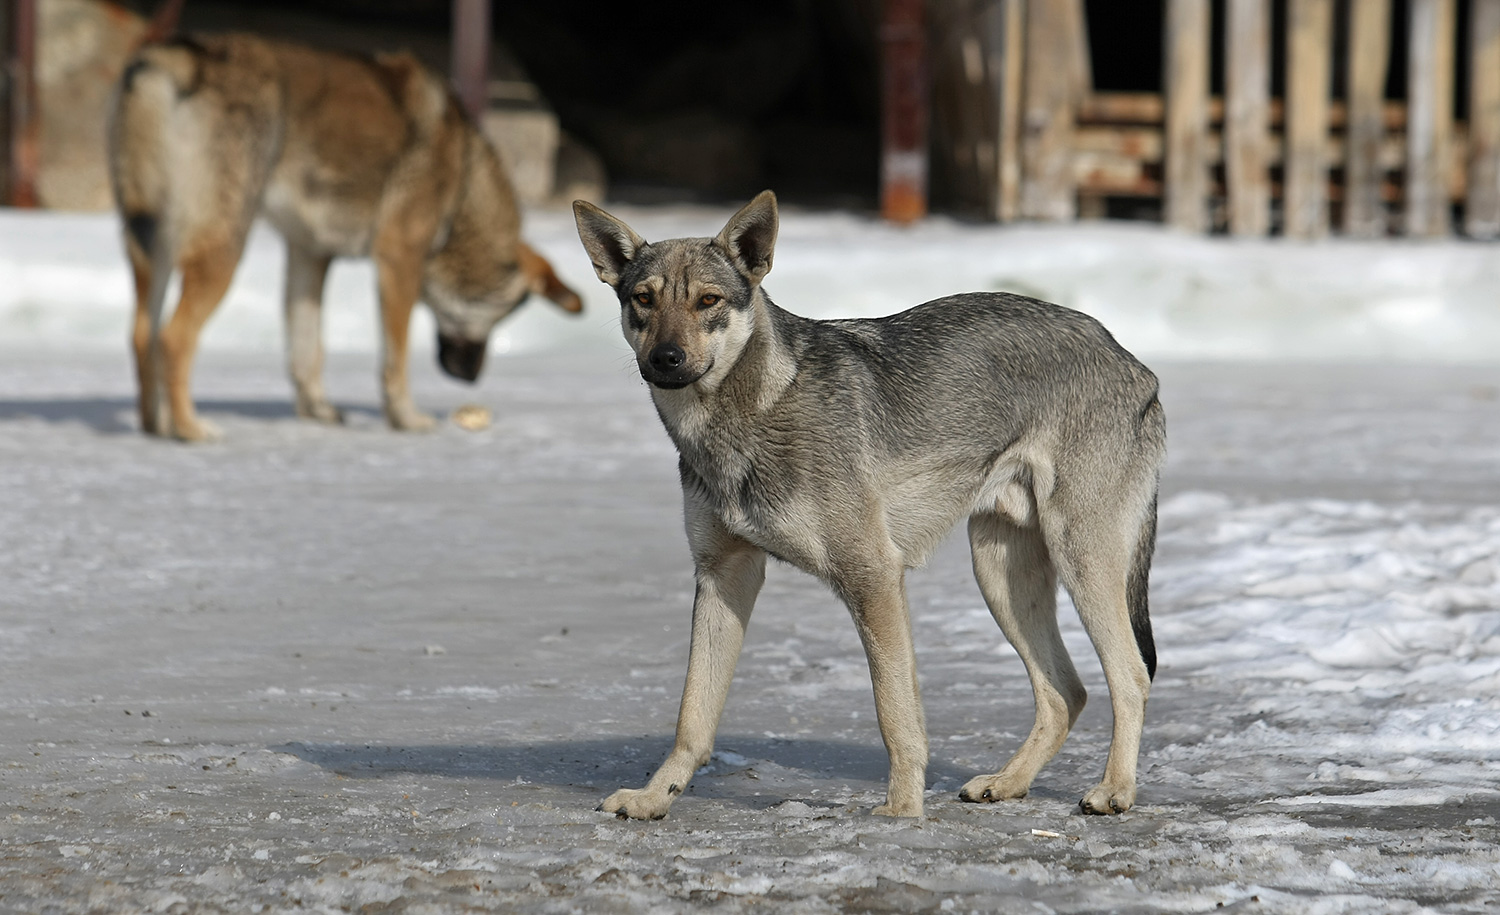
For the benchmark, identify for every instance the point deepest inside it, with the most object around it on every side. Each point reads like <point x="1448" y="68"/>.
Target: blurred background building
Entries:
<point x="1251" y="117"/>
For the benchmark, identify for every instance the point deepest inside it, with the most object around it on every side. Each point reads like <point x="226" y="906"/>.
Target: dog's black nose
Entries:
<point x="461" y="358"/>
<point x="667" y="358"/>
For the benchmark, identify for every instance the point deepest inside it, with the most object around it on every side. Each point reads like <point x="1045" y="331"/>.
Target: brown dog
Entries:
<point x="345" y="156"/>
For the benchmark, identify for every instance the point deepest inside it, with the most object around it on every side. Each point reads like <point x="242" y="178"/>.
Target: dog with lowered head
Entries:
<point x="347" y="156"/>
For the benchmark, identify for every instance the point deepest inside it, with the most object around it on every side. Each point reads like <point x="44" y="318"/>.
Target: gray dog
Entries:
<point x="849" y="448"/>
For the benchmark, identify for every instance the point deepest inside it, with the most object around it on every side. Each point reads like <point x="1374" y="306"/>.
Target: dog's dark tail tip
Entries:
<point x="1137" y="588"/>
<point x="142" y="228"/>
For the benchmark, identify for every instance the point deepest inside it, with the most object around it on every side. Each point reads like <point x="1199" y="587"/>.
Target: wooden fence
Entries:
<point x="1024" y="135"/>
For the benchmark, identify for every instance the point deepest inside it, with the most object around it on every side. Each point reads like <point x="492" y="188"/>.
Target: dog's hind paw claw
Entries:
<point x="986" y="789"/>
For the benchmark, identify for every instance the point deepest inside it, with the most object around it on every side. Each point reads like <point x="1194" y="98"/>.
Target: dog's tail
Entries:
<point x="157" y="78"/>
<point x="1136" y="590"/>
<point x="141" y="166"/>
<point x="1137" y="583"/>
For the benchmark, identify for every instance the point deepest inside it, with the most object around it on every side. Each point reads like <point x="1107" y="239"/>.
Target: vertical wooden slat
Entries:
<point x="1429" y="117"/>
<point x="904" y="98"/>
<point x="1048" y="189"/>
<point x="471" y="54"/>
<point x="1247" y="116"/>
<point x="1309" y="69"/>
<point x="1002" y="26"/>
<point x="1080" y="63"/>
<point x="1369" y="63"/>
<point x="1482" y="206"/>
<point x="1186" y="92"/>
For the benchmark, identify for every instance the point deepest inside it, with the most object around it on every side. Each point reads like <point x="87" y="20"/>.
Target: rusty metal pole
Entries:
<point x="471" y="54"/>
<point x="163" y="24"/>
<point x="7" y="29"/>
<point x="23" y="121"/>
<point x="903" y="111"/>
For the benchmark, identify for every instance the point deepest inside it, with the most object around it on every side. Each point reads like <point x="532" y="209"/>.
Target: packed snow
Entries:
<point x="342" y="669"/>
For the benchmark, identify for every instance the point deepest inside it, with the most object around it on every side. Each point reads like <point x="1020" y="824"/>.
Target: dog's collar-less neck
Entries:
<point x="460" y="193"/>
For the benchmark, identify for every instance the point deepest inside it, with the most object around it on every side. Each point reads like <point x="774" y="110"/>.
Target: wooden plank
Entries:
<point x="1309" y="69"/>
<point x="904" y="98"/>
<point x="25" y="126"/>
<point x="1482" y="206"/>
<point x="1369" y="61"/>
<point x="1080" y="62"/>
<point x="1430" y="117"/>
<point x="1004" y="63"/>
<point x="1049" y="98"/>
<point x="1247" y="116"/>
<point x="963" y="148"/>
<point x="1186" y="90"/>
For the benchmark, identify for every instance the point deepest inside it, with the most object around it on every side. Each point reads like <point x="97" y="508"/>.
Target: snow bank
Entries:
<point x="64" y="282"/>
<point x="1370" y="633"/>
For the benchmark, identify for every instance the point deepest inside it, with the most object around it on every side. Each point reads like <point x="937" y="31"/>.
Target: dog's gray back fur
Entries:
<point x="841" y="446"/>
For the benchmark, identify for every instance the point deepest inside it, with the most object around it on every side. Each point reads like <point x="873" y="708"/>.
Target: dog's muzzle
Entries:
<point x="666" y="366"/>
<point x="461" y="358"/>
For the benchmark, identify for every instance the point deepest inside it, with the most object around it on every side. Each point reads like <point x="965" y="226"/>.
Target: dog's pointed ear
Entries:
<point x="542" y="280"/>
<point x="750" y="236"/>
<point x="610" y="243"/>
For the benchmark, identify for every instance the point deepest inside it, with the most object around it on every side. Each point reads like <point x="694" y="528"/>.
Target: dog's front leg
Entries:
<point x="400" y="277"/>
<point x="877" y="601"/>
<point x="729" y="572"/>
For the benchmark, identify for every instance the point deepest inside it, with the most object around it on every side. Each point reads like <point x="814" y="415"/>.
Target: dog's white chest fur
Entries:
<point x="736" y="477"/>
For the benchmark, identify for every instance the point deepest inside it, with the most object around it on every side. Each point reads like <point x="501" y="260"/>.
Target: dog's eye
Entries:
<point x="643" y="299"/>
<point x="709" y="301"/>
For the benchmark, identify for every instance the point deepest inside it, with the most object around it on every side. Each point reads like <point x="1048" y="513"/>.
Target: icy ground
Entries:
<point x="313" y="669"/>
<point x="348" y="670"/>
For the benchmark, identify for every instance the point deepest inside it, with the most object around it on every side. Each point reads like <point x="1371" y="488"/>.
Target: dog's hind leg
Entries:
<point x="1098" y="551"/>
<point x="1019" y="584"/>
<point x="305" y="273"/>
<point x="206" y="274"/>
<point x="145" y="343"/>
<point x="730" y="573"/>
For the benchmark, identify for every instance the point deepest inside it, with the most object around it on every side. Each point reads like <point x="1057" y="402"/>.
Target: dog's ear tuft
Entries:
<point x="610" y="243"/>
<point x="750" y="237"/>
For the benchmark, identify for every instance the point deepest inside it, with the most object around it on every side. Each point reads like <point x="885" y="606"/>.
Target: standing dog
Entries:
<point x="345" y="156"/>
<point x="849" y="448"/>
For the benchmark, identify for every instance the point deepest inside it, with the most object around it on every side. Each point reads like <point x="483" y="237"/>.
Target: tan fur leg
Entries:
<point x="148" y="376"/>
<point x="205" y="279"/>
<point x="1016" y="577"/>
<point x="305" y="273"/>
<point x="1093" y="557"/>
<point x="730" y="572"/>
<point x="400" y="285"/>
<point x="877" y="600"/>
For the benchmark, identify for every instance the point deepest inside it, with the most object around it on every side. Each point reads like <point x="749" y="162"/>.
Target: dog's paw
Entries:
<point x="411" y="421"/>
<point x="637" y="804"/>
<point x="907" y="809"/>
<point x="320" y="411"/>
<point x="1104" y="798"/>
<point x="989" y="788"/>
<point x="196" y="431"/>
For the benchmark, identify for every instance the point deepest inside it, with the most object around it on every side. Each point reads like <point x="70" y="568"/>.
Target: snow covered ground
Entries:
<point x="349" y="670"/>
